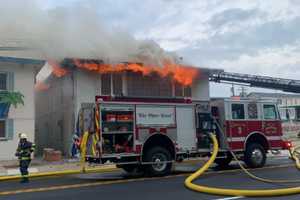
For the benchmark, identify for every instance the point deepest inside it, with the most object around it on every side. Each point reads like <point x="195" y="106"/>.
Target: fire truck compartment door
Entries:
<point x="186" y="128"/>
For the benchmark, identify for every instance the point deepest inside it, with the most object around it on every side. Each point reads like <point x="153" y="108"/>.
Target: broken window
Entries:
<point x="152" y="85"/>
<point x="106" y="84"/>
<point x="111" y="84"/>
<point x="117" y="84"/>
<point x="178" y="90"/>
<point x="182" y="91"/>
<point x="187" y="91"/>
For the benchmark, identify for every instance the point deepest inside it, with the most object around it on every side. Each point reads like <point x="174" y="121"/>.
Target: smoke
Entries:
<point x="73" y="31"/>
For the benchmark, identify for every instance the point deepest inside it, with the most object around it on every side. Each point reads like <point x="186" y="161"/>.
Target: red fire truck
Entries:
<point x="150" y="134"/>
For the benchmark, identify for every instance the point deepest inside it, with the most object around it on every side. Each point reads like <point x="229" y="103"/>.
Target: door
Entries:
<point x="186" y="129"/>
<point x="254" y="118"/>
<point x="237" y="126"/>
<point x="271" y="122"/>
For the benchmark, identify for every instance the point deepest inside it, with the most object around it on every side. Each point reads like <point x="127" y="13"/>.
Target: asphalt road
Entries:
<point x="119" y="185"/>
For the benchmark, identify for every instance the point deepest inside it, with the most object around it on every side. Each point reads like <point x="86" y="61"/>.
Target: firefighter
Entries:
<point x="75" y="146"/>
<point x="24" y="151"/>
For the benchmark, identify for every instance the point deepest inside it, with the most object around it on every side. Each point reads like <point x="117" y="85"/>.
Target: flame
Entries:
<point x="41" y="86"/>
<point x="182" y="74"/>
<point x="56" y="69"/>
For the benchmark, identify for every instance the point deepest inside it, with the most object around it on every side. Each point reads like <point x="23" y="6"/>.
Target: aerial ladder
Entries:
<point x="286" y="85"/>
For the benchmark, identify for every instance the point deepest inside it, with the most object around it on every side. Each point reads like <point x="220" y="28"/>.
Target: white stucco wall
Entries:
<point x="87" y="85"/>
<point x="200" y="88"/>
<point x="23" y="116"/>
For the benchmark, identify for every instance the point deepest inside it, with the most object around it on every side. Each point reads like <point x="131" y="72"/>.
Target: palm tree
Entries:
<point x="11" y="98"/>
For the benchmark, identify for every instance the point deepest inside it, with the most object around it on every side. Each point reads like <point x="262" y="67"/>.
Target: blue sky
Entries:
<point x="247" y="36"/>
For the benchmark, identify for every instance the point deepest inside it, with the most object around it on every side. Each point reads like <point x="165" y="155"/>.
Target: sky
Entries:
<point x="245" y="36"/>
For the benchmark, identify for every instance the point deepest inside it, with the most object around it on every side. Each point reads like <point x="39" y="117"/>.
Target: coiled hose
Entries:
<point x="232" y="192"/>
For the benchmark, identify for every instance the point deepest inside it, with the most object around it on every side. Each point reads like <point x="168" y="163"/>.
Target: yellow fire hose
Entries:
<point x="233" y="192"/>
<point x="294" y="154"/>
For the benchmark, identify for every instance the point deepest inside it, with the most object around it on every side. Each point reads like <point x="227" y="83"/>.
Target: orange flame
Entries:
<point x="56" y="69"/>
<point x="182" y="74"/>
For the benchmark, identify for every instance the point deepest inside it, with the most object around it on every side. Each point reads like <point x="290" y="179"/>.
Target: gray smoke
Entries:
<point x="72" y="31"/>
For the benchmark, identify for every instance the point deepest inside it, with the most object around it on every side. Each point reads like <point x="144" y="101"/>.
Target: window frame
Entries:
<point x="4" y="119"/>
<point x="231" y="113"/>
<point x="10" y="81"/>
<point x="276" y="112"/>
<point x="257" y="110"/>
<point x="7" y="83"/>
<point x="283" y="114"/>
<point x="108" y="82"/>
<point x="5" y="130"/>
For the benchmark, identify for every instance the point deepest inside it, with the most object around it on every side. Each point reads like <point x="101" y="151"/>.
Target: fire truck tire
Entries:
<point x="255" y="156"/>
<point x="224" y="162"/>
<point x="158" y="154"/>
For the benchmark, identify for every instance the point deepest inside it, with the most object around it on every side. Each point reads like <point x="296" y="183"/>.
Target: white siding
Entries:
<point x="23" y="116"/>
<point x="87" y="86"/>
<point x="200" y="88"/>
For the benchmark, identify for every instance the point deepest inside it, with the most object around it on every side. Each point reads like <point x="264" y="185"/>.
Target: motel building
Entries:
<point x="17" y="74"/>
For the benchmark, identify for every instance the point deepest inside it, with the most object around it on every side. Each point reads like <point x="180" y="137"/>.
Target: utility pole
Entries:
<point x="243" y="92"/>
<point x="232" y="90"/>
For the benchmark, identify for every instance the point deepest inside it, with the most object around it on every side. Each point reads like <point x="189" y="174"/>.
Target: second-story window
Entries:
<point x="2" y="129"/>
<point x="3" y="81"/>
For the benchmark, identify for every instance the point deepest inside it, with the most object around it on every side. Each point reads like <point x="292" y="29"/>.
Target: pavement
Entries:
<point x="119" y="185"/>
<point x="38" y="165"/>
<point x="11" y="167"/>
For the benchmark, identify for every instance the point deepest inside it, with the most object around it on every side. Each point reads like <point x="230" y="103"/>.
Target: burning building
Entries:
<point x="77" y="81"/>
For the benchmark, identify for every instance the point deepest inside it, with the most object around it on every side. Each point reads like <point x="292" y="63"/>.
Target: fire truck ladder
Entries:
<point x="286" y="85"/>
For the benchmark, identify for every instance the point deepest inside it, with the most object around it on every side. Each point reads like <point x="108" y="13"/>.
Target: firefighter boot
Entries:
<point x="24" y="179"/>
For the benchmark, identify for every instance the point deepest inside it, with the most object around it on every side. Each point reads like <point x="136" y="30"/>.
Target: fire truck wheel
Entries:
<point x="224" y="162"/>
<point x="255" y="156"/>
<point x="156" y="155"/>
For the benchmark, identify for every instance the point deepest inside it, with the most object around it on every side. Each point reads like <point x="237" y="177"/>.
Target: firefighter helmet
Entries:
<point x="23" y="136"/>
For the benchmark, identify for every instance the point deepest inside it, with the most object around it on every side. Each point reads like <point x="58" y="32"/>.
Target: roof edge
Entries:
<point x="22" y="60"/>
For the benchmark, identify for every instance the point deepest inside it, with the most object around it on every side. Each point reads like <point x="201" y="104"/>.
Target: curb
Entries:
<point x="35" y="172"/>
<point x="16" y="171"/>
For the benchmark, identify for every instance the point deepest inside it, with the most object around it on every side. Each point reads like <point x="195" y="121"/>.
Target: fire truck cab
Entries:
<point x="150" y="134"/>
<point x="251" y="128"/>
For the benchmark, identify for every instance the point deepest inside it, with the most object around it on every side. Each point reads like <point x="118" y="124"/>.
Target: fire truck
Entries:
<point x="150" y="134"/>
